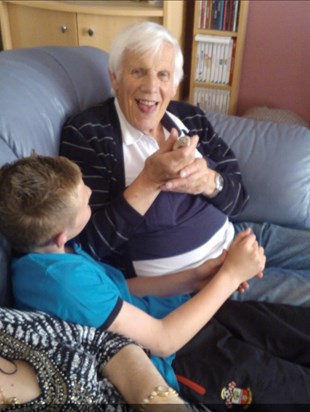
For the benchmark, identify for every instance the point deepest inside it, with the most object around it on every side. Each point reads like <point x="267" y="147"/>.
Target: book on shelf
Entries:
<point x="235" y="15"/>
<point x="212" y="100"/>
<point x="218" y="15"/>
<point x="216" y="11"/>
<point x="214" y="56"/>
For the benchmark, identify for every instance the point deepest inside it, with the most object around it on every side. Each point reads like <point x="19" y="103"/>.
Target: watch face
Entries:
<point x="219" y="181"/>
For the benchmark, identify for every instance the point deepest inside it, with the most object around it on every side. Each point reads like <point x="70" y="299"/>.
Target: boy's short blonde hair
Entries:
<point x="38" y="199"/>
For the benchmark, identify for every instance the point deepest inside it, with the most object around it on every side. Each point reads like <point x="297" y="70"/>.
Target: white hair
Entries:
<point x="146" y="37"/>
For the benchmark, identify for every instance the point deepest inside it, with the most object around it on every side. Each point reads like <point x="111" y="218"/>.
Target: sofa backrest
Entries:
<point x="39" y="89"/>
<point x="274" y="160"/>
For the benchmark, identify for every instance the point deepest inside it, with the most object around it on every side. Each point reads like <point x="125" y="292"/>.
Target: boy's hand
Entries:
<point x="209" y="268"/>
<point x="245" y="258"/>
<point x="206" y="270"/>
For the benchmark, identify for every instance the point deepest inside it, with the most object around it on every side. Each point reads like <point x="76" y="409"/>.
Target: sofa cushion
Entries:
<point x="275" y="164"/>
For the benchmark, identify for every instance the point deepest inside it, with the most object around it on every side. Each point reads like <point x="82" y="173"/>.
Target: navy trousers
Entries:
<point x="251" y="355"/>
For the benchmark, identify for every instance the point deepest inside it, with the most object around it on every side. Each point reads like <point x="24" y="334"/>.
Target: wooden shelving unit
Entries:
<point x="28" y="23"/>
<point x="231" y="89"/>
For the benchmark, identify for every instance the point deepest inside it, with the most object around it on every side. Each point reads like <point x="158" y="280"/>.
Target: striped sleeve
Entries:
<point x="93" y="141"/>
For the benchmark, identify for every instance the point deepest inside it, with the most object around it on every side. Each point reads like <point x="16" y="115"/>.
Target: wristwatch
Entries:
<point x="219" y="185"/>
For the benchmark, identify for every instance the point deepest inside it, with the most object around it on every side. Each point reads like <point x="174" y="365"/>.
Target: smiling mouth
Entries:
<point x="147" y="106"/>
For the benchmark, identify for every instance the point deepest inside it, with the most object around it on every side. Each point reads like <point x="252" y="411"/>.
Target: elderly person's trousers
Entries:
<point x="287" y="274"/>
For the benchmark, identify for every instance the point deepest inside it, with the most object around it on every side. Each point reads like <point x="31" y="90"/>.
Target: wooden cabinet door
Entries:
<point x="31" y="27"/>
<point x="99" y="30"/>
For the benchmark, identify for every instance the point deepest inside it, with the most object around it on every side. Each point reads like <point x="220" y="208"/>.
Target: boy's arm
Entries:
<point x="165" y="336"/>
<point x="178" y="283"/>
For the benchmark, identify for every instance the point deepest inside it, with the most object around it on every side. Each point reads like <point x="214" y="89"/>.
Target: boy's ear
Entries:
<point x="60" y="239"/>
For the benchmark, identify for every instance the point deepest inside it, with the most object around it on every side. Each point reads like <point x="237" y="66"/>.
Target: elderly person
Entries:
<point x="157" y="210"/>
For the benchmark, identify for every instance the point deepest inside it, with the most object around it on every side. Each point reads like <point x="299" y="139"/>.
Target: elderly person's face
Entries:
<point x="145" y="87"/>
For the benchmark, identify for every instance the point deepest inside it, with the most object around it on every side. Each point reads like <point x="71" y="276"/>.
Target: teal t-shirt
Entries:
<point x="76" y="288"/>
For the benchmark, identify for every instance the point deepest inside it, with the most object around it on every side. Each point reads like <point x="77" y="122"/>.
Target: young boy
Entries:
<point x="44" y="205"/>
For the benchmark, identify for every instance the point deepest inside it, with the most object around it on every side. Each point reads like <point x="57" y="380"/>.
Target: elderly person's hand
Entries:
<point x="165" y="164"/>
<point x="195" y="177"/>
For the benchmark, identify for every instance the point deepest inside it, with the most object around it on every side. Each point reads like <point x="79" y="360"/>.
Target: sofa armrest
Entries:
<point x="40" y="88"/>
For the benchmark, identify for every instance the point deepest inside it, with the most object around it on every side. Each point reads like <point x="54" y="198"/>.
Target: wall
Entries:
<point x="276" y="65"/>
